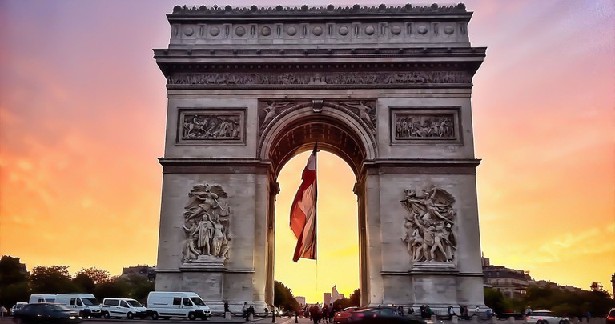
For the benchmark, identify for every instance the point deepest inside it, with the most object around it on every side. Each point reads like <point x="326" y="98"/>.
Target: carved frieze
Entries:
<point x="429" y="225"/>
<point x="364" y="111"/>
<point x="318" y="11"/>
<point x="222" y="126"/>
<point x="425" y="125"/>
<point x="206" y="226"/>
<point x="347" y="79"/>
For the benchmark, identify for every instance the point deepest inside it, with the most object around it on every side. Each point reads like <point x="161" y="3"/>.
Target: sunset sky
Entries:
<point x="82" y="123"/>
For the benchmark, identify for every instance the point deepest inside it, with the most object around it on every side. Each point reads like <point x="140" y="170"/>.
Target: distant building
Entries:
<point x="300" y="300"/>
<point x="511" y="283"/>
<point x="22" y="266"/>
<point x="335" y="295"/>
<point x="140" y="270"/>
<point x="327" y="298"/>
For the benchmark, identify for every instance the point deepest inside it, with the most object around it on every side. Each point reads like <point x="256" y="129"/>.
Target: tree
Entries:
<point x="113" y="288"/>
<point x="11" y="271"/>
<point x="51" y="280"/>
<point x="84" y="283"/>
<point x="13" y="282"/>
<point x="495" y="300"/>
<point x="97" y="275"/>
<point x="283" y="297"/>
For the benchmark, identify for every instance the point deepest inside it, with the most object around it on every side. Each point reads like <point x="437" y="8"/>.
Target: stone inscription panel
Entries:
<point x="211" y="126"/>
<point x="425" y="125"/>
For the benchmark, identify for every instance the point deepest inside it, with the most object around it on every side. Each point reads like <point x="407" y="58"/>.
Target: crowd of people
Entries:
<point x="317" y="313"/>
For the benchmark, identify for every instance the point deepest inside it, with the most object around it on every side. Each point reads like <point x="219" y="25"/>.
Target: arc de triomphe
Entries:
<point x="387" y="89"/>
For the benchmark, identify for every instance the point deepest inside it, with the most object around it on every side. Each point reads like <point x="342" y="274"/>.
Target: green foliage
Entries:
<point x="52" y="280"/>
<point x="283" y="297"/>
<point x="560" y="301"/>
<point x="495" y="300"/>
<point x="97" y="275"/>
<point x="84" y="283"/>
<point x="138" y="286"/>
<point x="113" y="288"/>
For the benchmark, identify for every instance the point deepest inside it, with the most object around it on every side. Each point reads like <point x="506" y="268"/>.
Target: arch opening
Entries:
<point x="334" y="132"/>
<point x="337" y="235"/>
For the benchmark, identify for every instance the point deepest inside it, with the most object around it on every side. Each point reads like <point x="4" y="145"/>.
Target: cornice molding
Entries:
<point x="330" y="10"/>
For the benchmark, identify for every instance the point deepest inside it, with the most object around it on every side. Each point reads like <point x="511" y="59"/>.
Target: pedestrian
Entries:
<point x="331" y="312"/>
<point x="226" y="309"/>
<point x="245" y="310"/>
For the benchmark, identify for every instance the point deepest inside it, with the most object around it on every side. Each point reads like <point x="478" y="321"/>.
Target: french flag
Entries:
<point x="303" y="212"/>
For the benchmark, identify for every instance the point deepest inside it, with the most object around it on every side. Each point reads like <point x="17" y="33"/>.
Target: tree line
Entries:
<point x="17" y="285"/>
<point x="562" y="302"/>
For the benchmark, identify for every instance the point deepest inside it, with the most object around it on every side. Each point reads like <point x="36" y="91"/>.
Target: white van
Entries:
<point x="85" y="304"/>
<point x="42" y="298"/>
<point x="168" y="304"/>
<point x="123" y="307"/>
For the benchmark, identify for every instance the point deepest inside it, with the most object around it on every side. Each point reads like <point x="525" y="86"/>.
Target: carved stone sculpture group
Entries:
<point x="429" y="226"/>
<point x="206" y="224"/>
<point x="211" y="126"/>
<point x="424" y="126"/>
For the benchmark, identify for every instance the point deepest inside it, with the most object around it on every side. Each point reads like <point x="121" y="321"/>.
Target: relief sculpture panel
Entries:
<point x="206" y="227"/>
<point x="429" y="225"/>
<point x="225" y="126"/>
<point x="421" y="125"/>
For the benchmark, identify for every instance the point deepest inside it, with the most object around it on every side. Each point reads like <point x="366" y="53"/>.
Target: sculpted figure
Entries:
<point x="429" y="228"/>
<point x="206" y="224"/>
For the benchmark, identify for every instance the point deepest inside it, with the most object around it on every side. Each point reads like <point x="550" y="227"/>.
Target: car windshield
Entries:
<point x="134" y="303"/>
<point x="197" y="301"/>
<point x="612" y="312"/>
<point x="543" y="313"/>
<point x="90" y="301"/>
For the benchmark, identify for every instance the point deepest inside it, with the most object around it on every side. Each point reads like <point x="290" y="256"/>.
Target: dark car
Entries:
<point x="610" y="317"/>
<point x="381" y="315"/>
<point x="46" y="313"/>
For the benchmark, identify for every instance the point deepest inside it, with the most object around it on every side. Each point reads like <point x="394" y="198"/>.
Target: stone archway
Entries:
<point x="385" y="88"/>
<point x="345" y="128"/>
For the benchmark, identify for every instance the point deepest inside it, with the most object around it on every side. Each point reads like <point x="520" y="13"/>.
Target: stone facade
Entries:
<point x="385" y="88"/>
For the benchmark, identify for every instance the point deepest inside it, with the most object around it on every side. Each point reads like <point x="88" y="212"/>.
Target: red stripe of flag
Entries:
<point x="303" y="213"/>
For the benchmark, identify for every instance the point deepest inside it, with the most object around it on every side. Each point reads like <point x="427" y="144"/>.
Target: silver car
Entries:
<point x="544" y="317"/>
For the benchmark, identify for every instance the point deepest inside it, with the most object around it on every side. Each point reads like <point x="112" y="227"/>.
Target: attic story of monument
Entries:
<point x="387" y="89"/>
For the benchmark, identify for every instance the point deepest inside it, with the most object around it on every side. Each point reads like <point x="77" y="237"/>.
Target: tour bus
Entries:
<point x="123" y="307"/>
<point x="168" y="304"/>
<point x="85" y="304"/>
<point x="42" y="298"/>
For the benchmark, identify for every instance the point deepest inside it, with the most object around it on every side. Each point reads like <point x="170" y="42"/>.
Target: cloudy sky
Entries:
<point x="82" y="121"/>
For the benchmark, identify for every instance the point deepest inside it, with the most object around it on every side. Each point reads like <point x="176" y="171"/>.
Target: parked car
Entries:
<point x="544" y="316"/>
<point x="610" y="317"/>
<point x="17" y="307"/>
<point x="46" y="313"/>
<point x="343" y="315"/>
<point x="123" y="308"/>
